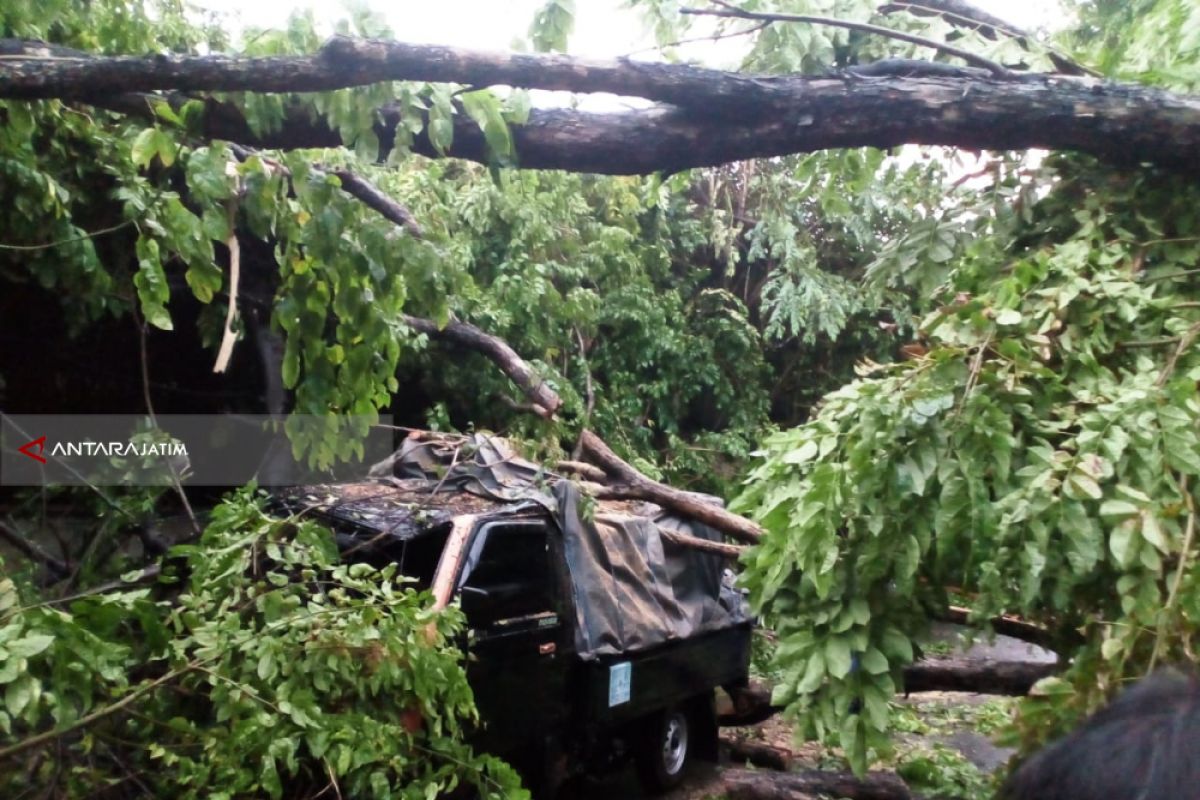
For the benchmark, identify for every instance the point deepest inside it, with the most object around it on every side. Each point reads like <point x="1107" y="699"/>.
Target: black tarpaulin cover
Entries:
<point x="633" y="590"/>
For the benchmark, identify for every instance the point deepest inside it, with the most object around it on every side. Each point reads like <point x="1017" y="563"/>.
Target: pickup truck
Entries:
<point x="591" y="638"/>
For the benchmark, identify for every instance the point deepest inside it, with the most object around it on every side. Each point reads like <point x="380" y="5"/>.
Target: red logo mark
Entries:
<point x="38" y="443"/>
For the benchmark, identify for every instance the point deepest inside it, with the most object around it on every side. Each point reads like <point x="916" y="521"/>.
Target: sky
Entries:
<point x="603" y="28"/>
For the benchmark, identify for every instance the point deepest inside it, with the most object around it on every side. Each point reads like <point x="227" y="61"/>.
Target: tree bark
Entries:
<point x="744" y="784"/>
<point x="743" y="751"/>
<point x="709" y="117"/>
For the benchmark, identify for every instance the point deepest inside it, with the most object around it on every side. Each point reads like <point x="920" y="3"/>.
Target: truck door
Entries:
<point x="512" y="589"/>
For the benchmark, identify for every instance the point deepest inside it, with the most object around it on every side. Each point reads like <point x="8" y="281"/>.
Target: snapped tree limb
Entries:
<point x="546" y="401"/>
<point x="707" y="117"/>
<point x="626" y="482"/>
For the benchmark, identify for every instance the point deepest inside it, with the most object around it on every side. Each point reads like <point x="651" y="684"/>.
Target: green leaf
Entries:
<point x="814" y="674"/>
<point x="1122" y="544"/>
<point x="29" y="645"/>
<point x="145" y="147"/>
<point x="269" y="778"/>
<point x="1081" y="486"/>
<point x="837" y="657"/>
<point x="20" y="693"/>
<point x="896" y="646"/>
<point x="1153" y="533"/>
<point x="1118" y="508"/>
<point x="874" y="662"/>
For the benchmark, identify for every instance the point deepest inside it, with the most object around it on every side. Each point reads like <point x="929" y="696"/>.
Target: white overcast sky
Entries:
<point x="603" y="28"/>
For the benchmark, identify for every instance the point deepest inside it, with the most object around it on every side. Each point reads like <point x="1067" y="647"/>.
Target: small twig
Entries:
<point x="1172" y="275"/>
<point x="98" y="714"/>
<point x="982" y="25"/>
<point x="973" y="377"/>
<point x="332" y="780"/>
<point x="1188" y="537"/>
<point x="710" y="38"/>
<point x="864" y="27"/>
<point x="353" y="184"/>
<point x="1185" y="342"/>
<point x="376" y="199"/>
<point x="145" y="364"/>
<point x="113" y="504"/>
<point x="1148" y="342"/>
<point x="80" y="238"/>
<point x="589" y="390"/>
<point x="241" y="687"/>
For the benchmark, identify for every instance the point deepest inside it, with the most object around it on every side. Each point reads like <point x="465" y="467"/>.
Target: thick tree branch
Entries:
<point x="752" y="703"/>
<point x="728" y="551"/>
<point x="374" y="198"/>
<point x="628" y="483"/>
<point x="344" y="62"/>
<point x="546" y="400"/>
<point x="713" y="118"/>
<point x="32" y="551"/>
<point x="631" y="484"/>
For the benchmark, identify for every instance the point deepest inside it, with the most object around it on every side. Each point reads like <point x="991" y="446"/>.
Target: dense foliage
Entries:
<point x="1039" y="456"/>
<point x="267" y="667"/>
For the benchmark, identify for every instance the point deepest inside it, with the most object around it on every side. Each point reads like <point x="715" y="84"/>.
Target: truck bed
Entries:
<point x="624" y="687"/>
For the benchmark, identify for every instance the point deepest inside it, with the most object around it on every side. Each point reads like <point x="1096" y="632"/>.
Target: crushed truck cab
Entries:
<point x="591" y="636"/>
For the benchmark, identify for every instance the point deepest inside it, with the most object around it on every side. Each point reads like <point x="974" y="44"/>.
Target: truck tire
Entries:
<point x="665" y="750"/>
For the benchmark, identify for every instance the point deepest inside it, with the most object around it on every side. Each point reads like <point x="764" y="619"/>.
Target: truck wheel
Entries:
<point x="664" y="751"/>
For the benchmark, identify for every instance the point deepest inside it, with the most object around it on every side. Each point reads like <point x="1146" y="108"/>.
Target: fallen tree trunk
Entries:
<point x="744" y="784"/>
<point x="983" y="676"/>
<point x="708" y="117"/>
<point x="752" y="703"/>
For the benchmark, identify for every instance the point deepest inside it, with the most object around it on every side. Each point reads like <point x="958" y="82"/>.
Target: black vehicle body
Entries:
<point x="576" y="660"/>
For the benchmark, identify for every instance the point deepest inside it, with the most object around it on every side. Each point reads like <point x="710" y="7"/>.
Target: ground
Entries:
<point x="944" y="742"/>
